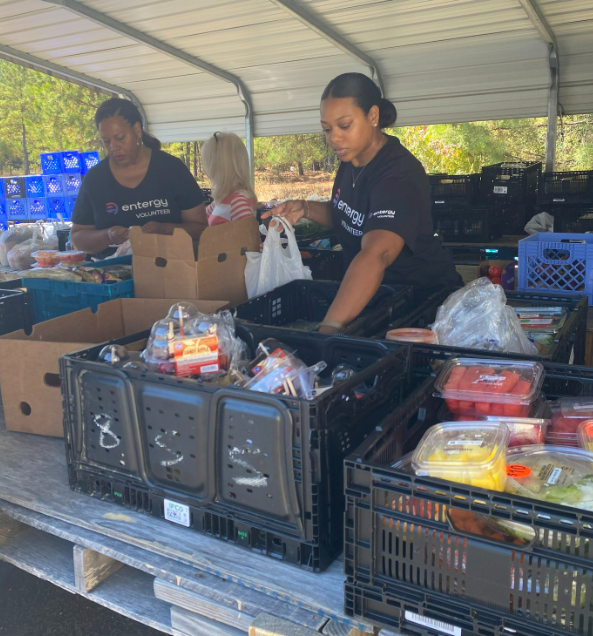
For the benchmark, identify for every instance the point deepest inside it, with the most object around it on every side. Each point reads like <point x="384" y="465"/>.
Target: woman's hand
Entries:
<point x="118" y="234"/>
<point x="328" y="330"/>
<point x="292" y="211"/>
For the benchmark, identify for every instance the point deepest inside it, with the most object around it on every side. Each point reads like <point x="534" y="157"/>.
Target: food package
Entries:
<point x="472" y="453"/>
<point x="46" y="258"/>
<point x="52" y="273"/>
<point x="585" y="434"/>
<point x="13" y="236"/>
<point x="475" y="386"/>
<point x="541" y="325"/>
<point x="554" y="474"/>
<point x="107" y="274"/>
<point x="566" y="416"/>
<point x="477" y="316"/>
<point x="125" y="249"/>
<point x="21" y="255"/>
<point x="422" y="336"/>
<point x="72" y="258"/>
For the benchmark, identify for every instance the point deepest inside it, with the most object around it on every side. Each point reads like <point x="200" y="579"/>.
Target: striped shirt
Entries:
<point x="233" y="207"/>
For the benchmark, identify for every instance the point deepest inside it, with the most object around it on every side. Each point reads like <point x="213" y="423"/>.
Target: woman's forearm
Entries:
<point x="319" y="212"/>
<point x="91" y="241"/>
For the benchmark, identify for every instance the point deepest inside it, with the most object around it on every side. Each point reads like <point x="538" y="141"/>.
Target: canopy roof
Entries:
<point x="440" y="60"/>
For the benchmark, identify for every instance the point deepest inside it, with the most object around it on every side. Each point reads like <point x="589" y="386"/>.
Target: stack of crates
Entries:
<point x="568" y="197"/>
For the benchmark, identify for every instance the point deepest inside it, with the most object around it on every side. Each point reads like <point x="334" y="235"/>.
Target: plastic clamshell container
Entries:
<point x="423" y="336"/>
<point x="490" y="387"/>
<point x="46" y="258"/>
<point x="585" y="434"/>
<point x="472" y="453"/>
<point x="72" y="257"/>
<point x="567" y="414"/>
<point x="554" y="474"/>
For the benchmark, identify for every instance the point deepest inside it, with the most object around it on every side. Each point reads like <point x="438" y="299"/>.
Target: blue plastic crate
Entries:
<point x="70" y="201"/>
<point x="3" y="220"/>
<point x="14" y="187"/>
<point x="2" y="197"/>
<point x="71" y="161"/>
<point x="72" y="184"/>
<point x="51" y="298"/>
<point x="34" y="186"/>
<point x="37" y="208"/>
<point x="51" y="162"/>
<point x="16" y="209"/>
<point x="558" y="262"/>
<point x="89" y="160"/>
<point x="55" y="206"/>
<point x="54" y="185"/>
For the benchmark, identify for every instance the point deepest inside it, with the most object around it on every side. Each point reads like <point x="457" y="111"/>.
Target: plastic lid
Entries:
<point x="585" y="435"/>
<point x="472" y="453"/>
<point x="423" y="336"/>
<point x="554" y="474"/>
<point x="484" y="380"/>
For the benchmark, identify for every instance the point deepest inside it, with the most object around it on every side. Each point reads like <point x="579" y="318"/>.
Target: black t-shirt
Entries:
<point x="392" y="193"/>
<point x="167" y="188"/>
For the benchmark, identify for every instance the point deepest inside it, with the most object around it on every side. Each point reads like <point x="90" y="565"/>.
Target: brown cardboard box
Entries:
<point x="29" y="369"/>
<point x="168" y="267"/>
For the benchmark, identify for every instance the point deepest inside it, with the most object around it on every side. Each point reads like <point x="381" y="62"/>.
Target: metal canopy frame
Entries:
<point x="56" y="70"/>
<point x="332" y="36"/>
<point x="547" y="34"/>
<point x="158" y="45"/>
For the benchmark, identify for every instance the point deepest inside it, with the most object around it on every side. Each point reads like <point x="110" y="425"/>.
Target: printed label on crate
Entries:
<point x="501" y="189"/>
<point x="432" y="623"/>
<point x="194" y="356"/>
<point x="177" y="513"/>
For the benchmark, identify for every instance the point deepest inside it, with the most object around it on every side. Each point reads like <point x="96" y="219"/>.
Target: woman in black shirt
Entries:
<point x="137" y="184"/>
<point x="380" y="207"/>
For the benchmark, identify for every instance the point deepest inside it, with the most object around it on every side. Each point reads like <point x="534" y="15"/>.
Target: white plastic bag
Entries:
<point x="542" y="222"/>
<point x="275" y="265"/>
<point x="477" y="316"/>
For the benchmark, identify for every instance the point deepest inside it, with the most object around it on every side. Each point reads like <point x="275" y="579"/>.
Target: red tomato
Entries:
<point x="496" y="280"/>
<point x="495" y="271"/>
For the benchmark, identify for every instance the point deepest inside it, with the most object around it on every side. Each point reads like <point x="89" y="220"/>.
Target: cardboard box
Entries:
<point x="29" y="369"/>
<point x="176" y="267"/>
<point x="508" y="278"/>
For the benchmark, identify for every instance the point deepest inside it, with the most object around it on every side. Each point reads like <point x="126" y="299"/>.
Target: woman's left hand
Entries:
<point x="152" y="227"/>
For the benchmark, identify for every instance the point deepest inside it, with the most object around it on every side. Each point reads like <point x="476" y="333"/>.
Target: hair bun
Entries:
<point x="387" y="113"/>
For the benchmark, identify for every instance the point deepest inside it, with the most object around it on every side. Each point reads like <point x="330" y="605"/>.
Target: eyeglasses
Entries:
<point x="215" y="135"/>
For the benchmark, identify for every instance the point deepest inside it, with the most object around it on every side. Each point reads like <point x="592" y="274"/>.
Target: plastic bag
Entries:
<point x="477" y="317"/>
<point x="21" y="255"/>
<point x="542" y="222"/>
<point x="13" y="236"/>
<point x="275" y="265"/>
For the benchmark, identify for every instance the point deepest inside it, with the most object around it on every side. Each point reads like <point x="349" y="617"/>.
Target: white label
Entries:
<point x="439" y="201"/>
<point x="490" y="379"/>
<point x="465" y="442"/>
<point x="500" y="189"/>
<point x="554" y="475"/>
<point x="210" y="368"/>
<point x="177" y="513"/>
<point x="444" y="628"/>
<point x="558" y="200"/>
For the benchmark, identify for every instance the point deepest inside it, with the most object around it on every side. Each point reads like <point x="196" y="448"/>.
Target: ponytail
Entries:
<point x="150" y="141"/>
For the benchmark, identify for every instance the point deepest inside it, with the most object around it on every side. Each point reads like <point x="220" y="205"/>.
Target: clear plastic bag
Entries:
<point x="21" y="256"/>
<point x="477" y="317"/>
<point x="13" y="236"/>
<point x="542" y="222"/>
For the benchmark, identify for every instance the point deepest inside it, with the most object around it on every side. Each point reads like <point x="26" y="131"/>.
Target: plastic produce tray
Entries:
<point x="261" y="471"/>
<point x="404" y="559"/>
<point x="473" y="224"/>
<point x="324" y="264"/>
<point x="510" y="182"/>
<point x="309" y="301"/>
<point x="52" y="298"/>
<point x="557" y="262"/>
<point x="566" y="188"/>
<point x="454" y="189"/>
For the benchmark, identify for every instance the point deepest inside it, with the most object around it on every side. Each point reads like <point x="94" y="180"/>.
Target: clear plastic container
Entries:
<point x="585" y="434"/>
<point x="46" y="258"/>
<point x="72" y="257"/>
<point x="478" y="386"/>
<point x="472" y="453"/>
<point x="554" y="474"/>
<point x="566" y="416"/>
<point x="422" y="336"/>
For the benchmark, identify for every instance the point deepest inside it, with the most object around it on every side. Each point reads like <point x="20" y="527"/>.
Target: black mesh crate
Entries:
<point x="14" y="308"/>
<point x="571" y="219"/>
<point x="14" y="187"/>
<point x="475" y="224"/>
<point x="305" y="303"/>
<point x="403" y="551"/>
<point x="566" y="188"/>
<point x="324" y="264"/>
<point x="454" y="189"/>
<point x="510" y="182"/>
<point x="263" y="471"/>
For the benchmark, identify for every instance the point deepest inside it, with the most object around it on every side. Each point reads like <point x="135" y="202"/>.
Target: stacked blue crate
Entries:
<point x="2" y="204"/>
<point x="72" y="184"/>
<point x="14" y="188"/>
<point x="70" y="201"/>
<point x="54" y="185"/>
<point x="71" y="161"/>
<point x="34" y="186"/>
<point x="37" y="209"/>
<point x="16" y="209"/>
<point x="57" y="205"/>
<point x="88" y="160"/>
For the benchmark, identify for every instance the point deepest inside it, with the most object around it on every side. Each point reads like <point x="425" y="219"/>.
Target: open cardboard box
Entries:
<point x="177" y="267"/>
<point x="29" y="368"/>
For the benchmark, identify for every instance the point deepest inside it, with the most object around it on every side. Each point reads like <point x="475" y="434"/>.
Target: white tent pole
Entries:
<point x="545" y="30"/>
<point x="171" y="51"/>
<point x="332" y="36"/>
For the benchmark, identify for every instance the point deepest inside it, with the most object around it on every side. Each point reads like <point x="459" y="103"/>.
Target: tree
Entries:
<point x="289" y="150"/>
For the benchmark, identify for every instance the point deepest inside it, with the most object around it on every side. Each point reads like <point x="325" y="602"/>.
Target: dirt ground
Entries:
<point x="289" y="185"/>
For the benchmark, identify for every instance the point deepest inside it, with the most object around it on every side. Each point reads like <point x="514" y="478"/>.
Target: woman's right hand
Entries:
<point x="292" y="211"/>
<point x="118" y="234"/>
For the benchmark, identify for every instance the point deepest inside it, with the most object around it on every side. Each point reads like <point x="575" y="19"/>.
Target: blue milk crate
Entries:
<point x="51" y="162"/>
<point x="559" y="262"/>
<point x="34" y="186"/>
<point x="2" y="197"/>
<point x="14" y="187"/>
<point x="88" y="160"/>
<point x="55" y="206"/>
<point x="70" y="201"/>
<point x="36" y="209"/>
<point x="72" y="184"/>
<point x="53" y="298"/>
<point x="16" y="209"/>
<point x="71" y="161"/>
<point x="54" y="185"/>
<point x="3" y="220"/>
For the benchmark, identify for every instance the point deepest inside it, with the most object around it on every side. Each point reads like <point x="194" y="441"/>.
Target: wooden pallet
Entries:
<point x="172" y="579"/>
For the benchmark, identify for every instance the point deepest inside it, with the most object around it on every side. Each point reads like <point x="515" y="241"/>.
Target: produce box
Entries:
<point x="29" y="369"/>
<point x="177" y="267"/>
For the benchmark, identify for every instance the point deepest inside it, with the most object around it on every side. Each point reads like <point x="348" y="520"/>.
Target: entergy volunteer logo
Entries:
<point x="111" y="208"/>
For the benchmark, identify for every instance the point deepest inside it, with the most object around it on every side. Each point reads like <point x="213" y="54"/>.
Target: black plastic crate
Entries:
<point x="475" y="224"/>
<point x="510" y="182"/>
<point x="324" y="264"/>
<point x="571" y="219"/>
<point x="400" y="546"/>
<point x="454" y="189"/>
<point x="259" y="470"/>
<point x="14" y="187"/>
<point x="566" y="188"/>
<point x="14" y="308"/>
<point x="516" y="218"/>
<point x="309" y="301"/>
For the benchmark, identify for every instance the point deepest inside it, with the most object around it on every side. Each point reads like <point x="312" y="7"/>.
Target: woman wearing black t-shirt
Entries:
<point x="137" y="184"/>
<point x="380" y="207"/>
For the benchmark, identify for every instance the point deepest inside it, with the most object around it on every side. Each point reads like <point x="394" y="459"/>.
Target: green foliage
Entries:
<point x="286" y="151"/>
